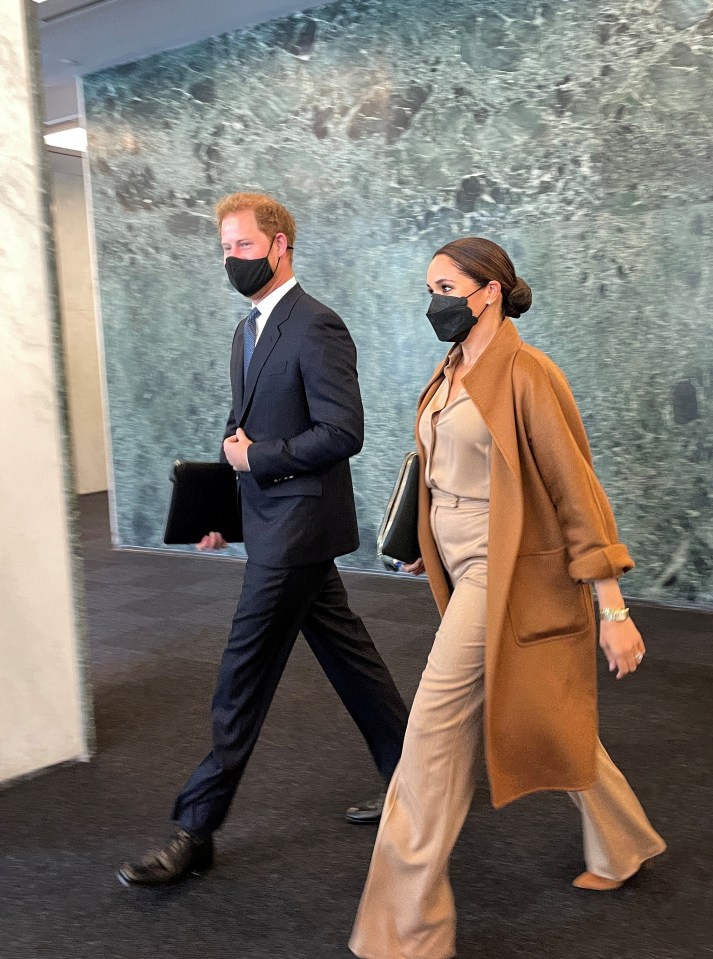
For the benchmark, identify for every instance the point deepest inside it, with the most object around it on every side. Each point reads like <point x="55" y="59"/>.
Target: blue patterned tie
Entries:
<point x="249" y="337"/>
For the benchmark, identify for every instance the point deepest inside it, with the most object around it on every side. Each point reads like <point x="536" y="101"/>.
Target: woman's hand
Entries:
<point x="620" y="639"/>
<point x="623" y="646"/>
<point x="415" y="568"/>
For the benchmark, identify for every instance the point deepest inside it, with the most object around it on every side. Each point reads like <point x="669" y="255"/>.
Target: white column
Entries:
<point x="79" y="331"/>
<point x="43" y="712"/>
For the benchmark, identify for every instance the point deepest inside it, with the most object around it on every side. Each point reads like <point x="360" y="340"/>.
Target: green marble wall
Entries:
<point x="578" y="135"/>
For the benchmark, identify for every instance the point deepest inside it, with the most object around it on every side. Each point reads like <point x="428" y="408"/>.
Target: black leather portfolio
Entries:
<point x="397" y="540"/>
<point x="204" y="499"/>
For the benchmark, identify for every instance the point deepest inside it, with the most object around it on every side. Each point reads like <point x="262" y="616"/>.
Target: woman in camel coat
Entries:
<point x="514" y="530"/>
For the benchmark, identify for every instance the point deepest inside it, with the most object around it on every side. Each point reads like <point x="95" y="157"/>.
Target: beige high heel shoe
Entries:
<point x="594" y="883"/>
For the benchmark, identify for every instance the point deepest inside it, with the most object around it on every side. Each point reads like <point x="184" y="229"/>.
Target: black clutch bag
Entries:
<point x="204" y="499"/>
<point x="397" y="540"/>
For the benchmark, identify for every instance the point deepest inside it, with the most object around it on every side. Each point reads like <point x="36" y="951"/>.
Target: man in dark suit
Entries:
<point x="296" y="419"/>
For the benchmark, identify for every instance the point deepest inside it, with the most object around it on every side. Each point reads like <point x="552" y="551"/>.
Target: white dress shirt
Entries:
<point x="268" y="304"/>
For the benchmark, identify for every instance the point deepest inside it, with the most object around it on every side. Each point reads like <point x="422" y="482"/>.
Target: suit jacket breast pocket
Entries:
<point x="275" y="369"/>
<point x="545" y="603"/>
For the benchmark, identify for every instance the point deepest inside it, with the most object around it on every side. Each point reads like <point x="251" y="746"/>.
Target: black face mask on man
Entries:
<point x="451" y="317"/>
<point x="249" y="276"/>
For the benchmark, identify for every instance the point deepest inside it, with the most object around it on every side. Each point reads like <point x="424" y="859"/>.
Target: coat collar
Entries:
<point x="489" y="385"/>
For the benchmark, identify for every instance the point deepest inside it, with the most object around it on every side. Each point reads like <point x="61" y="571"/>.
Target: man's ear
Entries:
<point x="280" y="242"/>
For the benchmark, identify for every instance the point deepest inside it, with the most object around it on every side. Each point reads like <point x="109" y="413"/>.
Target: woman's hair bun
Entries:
<point x="519" y="299"/>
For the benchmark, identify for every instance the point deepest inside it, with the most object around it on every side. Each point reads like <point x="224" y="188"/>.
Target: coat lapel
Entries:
<point x="429" y="389"/>
<point x="437" y="579"/>
<point x="490" y="385"/>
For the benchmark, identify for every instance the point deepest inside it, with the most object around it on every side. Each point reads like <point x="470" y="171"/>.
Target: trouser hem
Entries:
<point x="401" y="955"/>
<point x="640" y="863"/>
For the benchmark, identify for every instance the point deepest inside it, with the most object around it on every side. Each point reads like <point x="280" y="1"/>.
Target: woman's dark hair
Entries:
<point x="483" y="261"/>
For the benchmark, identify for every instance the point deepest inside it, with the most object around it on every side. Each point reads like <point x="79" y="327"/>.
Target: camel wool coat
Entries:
<point x="551" y="532"/>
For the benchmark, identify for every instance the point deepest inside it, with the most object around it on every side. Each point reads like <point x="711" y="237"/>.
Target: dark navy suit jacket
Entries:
<point x="302" y="408"/>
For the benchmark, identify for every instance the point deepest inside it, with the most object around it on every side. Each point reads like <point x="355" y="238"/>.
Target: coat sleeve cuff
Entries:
<point x="608" y="562"/>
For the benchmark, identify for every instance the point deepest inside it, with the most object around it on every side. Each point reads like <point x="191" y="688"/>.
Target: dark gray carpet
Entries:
<point x="290" y="870"/>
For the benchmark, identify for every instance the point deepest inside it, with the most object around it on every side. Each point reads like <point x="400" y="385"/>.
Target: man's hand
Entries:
<point x="212" y="541"/>
<point x="236" y="451"/>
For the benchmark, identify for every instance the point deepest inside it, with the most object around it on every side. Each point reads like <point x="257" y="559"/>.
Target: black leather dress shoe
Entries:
<point x="367" y="813"/>
<point x="182" y="855"/>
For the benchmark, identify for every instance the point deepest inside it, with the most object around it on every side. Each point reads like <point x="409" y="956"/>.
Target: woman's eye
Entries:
<point x="446" y="288"/>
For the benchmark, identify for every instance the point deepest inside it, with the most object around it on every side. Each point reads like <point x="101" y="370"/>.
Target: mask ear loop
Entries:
<point x="279" y="257"/>
<point x="267" y="257"/>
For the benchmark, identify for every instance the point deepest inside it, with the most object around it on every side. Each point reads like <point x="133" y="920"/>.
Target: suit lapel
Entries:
<point x="265" y="345"/>
<point x="237" y="367"/>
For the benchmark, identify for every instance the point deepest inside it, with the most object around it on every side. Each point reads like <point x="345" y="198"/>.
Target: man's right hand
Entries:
<point x="212" y="541"/>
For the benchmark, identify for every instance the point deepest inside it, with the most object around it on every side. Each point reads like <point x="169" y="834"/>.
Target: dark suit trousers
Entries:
<point x="274" y="605"/>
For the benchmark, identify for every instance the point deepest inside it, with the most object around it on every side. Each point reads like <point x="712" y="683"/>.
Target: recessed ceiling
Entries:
<point x="82" y="36"/>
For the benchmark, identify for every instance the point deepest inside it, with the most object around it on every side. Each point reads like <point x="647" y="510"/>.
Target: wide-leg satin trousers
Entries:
<point x="407" y="909"/>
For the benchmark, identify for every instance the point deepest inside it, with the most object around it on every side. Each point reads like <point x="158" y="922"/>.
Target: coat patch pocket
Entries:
<point x="545" y="603"/>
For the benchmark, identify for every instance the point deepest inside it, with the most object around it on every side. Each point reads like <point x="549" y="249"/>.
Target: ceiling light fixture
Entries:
<point x="73" y="139"/>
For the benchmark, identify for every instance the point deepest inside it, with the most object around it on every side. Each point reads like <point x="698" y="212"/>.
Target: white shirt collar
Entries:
<point x="268" y="304"/>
